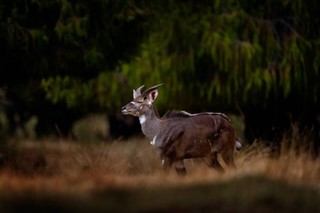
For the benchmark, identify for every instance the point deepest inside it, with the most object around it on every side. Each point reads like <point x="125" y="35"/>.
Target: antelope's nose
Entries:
<point x="123" y="109"/>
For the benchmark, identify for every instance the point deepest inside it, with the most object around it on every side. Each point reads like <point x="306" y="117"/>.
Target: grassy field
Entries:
<point x="125" y="176"/>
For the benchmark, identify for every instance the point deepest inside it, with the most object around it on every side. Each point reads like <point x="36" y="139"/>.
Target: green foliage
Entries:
<point x="104" y="90"/>
<point x="90" y="54"/>
<point x="226" y="52"/>
<point x="68" y="89"/>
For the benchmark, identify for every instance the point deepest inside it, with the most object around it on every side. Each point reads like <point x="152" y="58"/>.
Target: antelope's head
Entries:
<point x="141" y="102"/>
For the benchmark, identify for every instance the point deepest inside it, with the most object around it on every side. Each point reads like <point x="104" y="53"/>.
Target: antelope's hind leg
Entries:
<point x="228" y="158"/>
<point x="180" y="168"/>
<point x="228" y="151"/>
<point x="214" y="163"/>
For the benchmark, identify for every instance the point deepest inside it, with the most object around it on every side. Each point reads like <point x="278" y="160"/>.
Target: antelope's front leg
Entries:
<point x="180" y="168"/>
<point x="166" y="163"/>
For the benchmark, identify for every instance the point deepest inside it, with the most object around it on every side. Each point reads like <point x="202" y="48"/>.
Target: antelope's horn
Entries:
<point x="147" y="91"/>
<point x="138" y="91"/>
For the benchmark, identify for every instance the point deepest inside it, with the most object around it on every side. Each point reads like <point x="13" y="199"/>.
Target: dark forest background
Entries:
<point x="63" y="59"/>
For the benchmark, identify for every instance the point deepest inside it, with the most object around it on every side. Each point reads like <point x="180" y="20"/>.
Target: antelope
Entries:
<point x="179" y="135"/>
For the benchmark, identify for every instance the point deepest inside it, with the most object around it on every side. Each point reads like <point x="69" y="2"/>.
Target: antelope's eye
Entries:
<point x="136" y="102"/>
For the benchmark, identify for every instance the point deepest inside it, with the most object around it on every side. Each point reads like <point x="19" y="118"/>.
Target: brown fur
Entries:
<point x="179" y="135"/>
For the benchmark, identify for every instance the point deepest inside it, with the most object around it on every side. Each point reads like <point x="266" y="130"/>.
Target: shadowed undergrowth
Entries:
<point x="245" y="194"/>
<point x="61" y="176"/>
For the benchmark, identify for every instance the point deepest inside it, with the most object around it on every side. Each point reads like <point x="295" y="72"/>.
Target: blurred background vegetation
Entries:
<point x="63" y="59"/>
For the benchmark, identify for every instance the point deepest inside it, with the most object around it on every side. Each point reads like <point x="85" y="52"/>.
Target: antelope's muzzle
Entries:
<point x="124" y="110"/>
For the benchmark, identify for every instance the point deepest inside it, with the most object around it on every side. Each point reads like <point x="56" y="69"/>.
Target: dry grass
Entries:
<point x="70" y="169"/>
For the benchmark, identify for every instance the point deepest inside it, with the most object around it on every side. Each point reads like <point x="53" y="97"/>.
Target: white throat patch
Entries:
<point x="142" y="119"/>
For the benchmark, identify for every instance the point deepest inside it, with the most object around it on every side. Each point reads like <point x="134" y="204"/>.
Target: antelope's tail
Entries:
<point x="238" y="144"/>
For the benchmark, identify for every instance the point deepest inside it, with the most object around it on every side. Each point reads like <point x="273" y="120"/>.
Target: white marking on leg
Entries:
<point x="142" y="119"/>
<point x="153" y="142"/>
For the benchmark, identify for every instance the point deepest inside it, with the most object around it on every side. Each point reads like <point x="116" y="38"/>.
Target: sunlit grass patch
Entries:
<point x="97" y="173"/>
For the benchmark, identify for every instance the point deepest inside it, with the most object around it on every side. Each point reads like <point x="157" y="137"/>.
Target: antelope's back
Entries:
<point x="200" y="124"/>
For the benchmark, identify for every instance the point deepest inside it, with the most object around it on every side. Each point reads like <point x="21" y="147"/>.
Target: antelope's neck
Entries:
<point x="150" y="123"/>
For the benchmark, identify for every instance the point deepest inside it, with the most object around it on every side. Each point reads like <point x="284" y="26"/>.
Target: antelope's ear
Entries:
<point x="152" y="96"/>
<point x="134" y="94"/>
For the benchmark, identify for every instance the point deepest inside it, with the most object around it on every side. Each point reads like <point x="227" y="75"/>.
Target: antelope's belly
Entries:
<point x="195" y="148"/>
